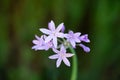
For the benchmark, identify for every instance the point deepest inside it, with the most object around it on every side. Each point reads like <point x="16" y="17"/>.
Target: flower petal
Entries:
<point x="51" y="25"/>
<point x="72" y="43"/>
<point x="55" y="50"/>
<point x="66" y="61"/>
<point x="41" y="48"/>
<point x="45" y="31"/>
<point x="53" y="56"/>
<point x="38" y="47"/>
<point x="69" y="55"/>
<point x="61" y="35"/>
<point x="55" y="42"/>
<point x="58" y="62"/>
<point x="34" y="47"/>
<point x="77" y="34"/>
<point x="47" y="39"/>
<point x="60" y="26"/>
<point x="66" y="35"/>
<point x="44" y="36"/>
<point x="63" y="29"/>
<point x="77" y="39"/>
<point x="37" y="37"/>
<point x="71" y="32"/>
<point x="62" y="49"/>
<point x="84" y="38"/>
<point x="36" y="42"/>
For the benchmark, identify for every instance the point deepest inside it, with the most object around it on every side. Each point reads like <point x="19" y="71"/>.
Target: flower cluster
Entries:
<point x="58" y="41"/>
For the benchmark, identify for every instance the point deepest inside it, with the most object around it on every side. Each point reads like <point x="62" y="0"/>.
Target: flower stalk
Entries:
<point x="74" y="64"/>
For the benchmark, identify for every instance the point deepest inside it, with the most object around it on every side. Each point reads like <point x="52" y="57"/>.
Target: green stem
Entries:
<point x="74" y="66"/>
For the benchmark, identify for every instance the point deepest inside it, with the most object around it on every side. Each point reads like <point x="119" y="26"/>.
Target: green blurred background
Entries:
<point x="20" y="20"/>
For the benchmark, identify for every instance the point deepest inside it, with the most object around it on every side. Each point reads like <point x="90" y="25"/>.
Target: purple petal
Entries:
<point x="77" y="40"/>
<point x="71" y="32"/>
<point x="55" y="50"/>
<point x="34" y="47"/>
<point x="55" y="42"/>
<point x="44" y="36"/>
<point x="38" y="47"/>
<point x="53" y="56"/>
<point x="60" y="26"/>
<point x="46" y="48"/>
<point x="69" y="55"/>
<point x="48" y="39"/>
<point x="37" y="37"/>
<point x="62" y="49"/>
<point x="63" y="29"/>
<point x="85" y="48"/>
<point x="58" y="62"/>
<point x="84" y="38"/>
<point x="36" y="42"/>
<point x="48" y="45"/>
<point x="51" y="25"/>
<point x="65" y="60"/>
<point x="41" y="48"/>
<point x="66" y="35"/>
<point x="77" y="34"/>
<point x="45" y="31"/>
<point x="72" y="43"/>
<point x="61" y="35"/>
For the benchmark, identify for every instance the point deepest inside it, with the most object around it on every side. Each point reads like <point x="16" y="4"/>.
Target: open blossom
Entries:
<point x="61" y="56"/>
<point x="73" y="38"/>
<point x="53" y="33"/>
<point x="40" y="43"/>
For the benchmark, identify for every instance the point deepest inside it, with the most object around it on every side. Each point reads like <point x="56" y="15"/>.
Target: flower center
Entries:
<point x="71" y="36"/>
<point x="49" y="44"/>
<point x="54" y="33"/>
<point x="61" y="55"/>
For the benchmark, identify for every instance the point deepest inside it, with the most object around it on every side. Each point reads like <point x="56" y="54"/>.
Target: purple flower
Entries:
<point x="73" y="38"/>
<point x="40" y="43"/>
<point x="85" y="48"/>
<point x="61" y="56"/>
<point x="84" y="38"/>
<point x="47" y="45"/>
<point x="53" y="33"/>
